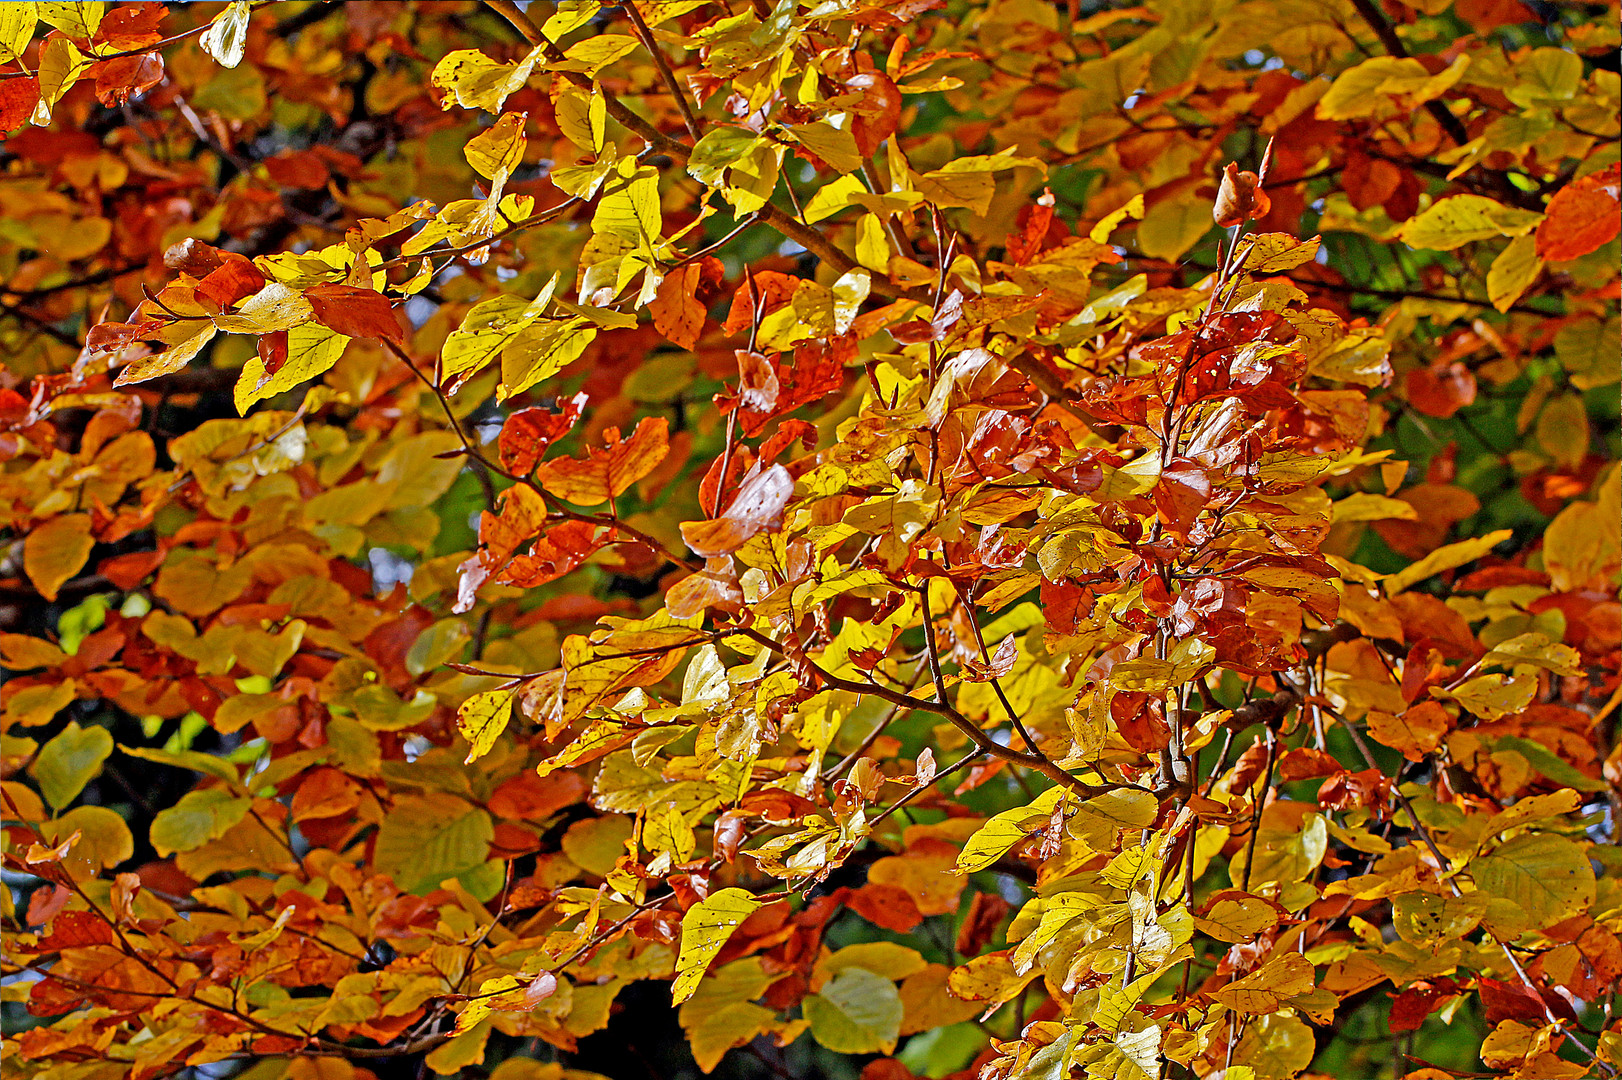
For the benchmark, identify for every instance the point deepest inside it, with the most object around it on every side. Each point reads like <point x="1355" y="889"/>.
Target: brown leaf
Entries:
<point x="1240" y="198"/>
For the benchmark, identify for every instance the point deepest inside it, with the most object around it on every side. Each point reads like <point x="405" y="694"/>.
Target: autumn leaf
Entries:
<point x="355" y="312"/>
<point x="56" y="550"/>
<point x="609" y="472"/>
<point x="1583" y="216"/>
<point x="705" y="928"/>
<point x="482" y="718"/>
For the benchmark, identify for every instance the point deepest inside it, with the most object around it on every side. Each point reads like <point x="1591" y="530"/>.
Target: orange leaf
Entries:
<point x="607" y="473"/>
<point x="757" y="506"/>
<point x="1583" y="216"/>
<point x="57" y="550"/>
<point x="676" y="310"/>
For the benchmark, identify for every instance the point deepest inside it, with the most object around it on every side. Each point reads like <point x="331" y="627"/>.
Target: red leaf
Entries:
<point x="1583" y="216"/>
<point x="17" y="100"/>
<point x="355" y="312"/>
<point x="131" y="26"/>
<point x="776" y="289"/>
<point x="528" y="432"/>
<point x="272" y="349"/>
<point x="297" y="169"/>
<point x="1036" y="219"/>
<point x="1441" y="391"/>
<point x="889" y="906"/>
<point x="876" y="109"/>
<point x="235" y="278"/>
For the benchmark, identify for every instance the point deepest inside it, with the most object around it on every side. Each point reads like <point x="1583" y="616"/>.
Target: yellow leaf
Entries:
<point x="498" y="148"/>
<point x="1236" y="916"/>
<point x="482" y="718"/>
<point x="1263" y="990"/>
<point x="227" y="34"/>
<point x="929" y="1004"/>
<point x="1453" y="222"/>
<point x="79" y="20"/>
<point x="629" y="208"/>
<point x="990" y="978"/>
<point x="1364" y="506"/>
<point x="704" y="930"/>
<point x="1357" y="91"/>
<point x="104" y="839"/>
<point x="70" y="761"/>
<point x="60" y="65"/>
<point x="35" y="705"/>
<point x="1538" y="650"/>
<point x="895" y="961"/>
<point x="1111" y="221"/>
<point x="594" y="53"/>
<point x="274" y="307"/>
<point x="1584" y="542"/>
<point x="1270" y="253"/>
<point x="1546" y="876"/>
<point x="1444" y="558"/>
<point x="56" y="550"/>
<point x="832" y="198"/>
<point x="872" y="245"/>
<point x="836" y="146"/>
<point x="1006" y="829"/>
<point x="311" y="350"/>
<point x="16" y="28"/>
<point x="1494" y="696"/>
<point x="1562" y="430"/>
<point x="477" y="82"/>
<point x="540" y="351"/>
<point x="1513" y="271"/>
<point x="19" y="652"/>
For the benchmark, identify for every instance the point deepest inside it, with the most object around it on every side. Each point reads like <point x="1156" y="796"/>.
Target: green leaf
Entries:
<point x="705" y="928"/>
<point x="429" y="838"/>
<point x="199" y="816"/>
<point x="857" y="1012"/>
<point x="1549" y="763"/>
<point x="196" y="761"/>
<point x="68" y="762"/>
